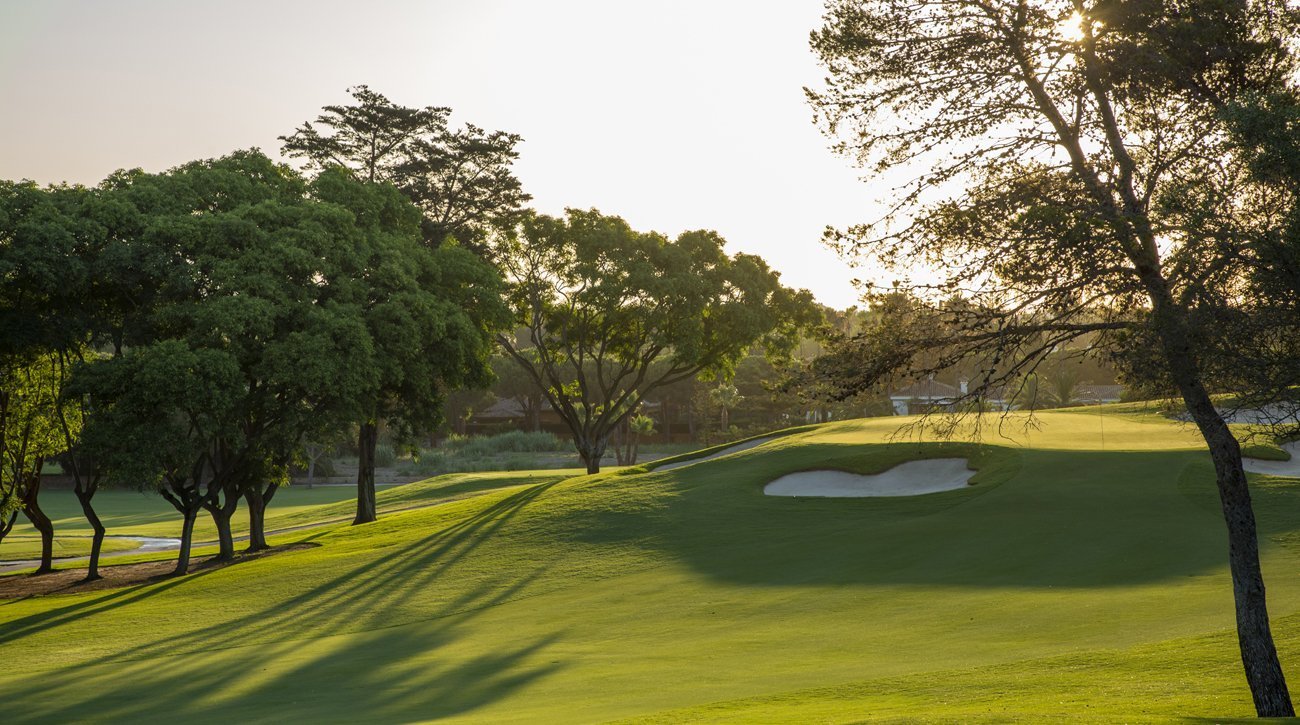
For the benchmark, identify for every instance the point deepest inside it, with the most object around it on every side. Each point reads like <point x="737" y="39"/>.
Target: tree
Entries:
<point x="610" y="314"/>
<point x="163" y="410"/>
<point x="429" y="314"/>
<point x="369" y="138"/>
<point x="30" y="423"/>
<point x="632" y="430"/>
<point x="725" y="398"/>
<point x="463" y="182"/>
<point x="1080" y="191"/>
<point x="266" y="278"/>
<point x="460" y="179"/>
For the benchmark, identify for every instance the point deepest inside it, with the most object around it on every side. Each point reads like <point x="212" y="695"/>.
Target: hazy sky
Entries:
<point x="673" y="115"/>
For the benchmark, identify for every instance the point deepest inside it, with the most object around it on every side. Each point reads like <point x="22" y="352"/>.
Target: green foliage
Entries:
<point x="610" y="314"/>
<point x="461" y="180"/>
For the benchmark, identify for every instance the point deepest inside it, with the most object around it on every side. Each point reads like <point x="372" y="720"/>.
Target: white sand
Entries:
<point x="906" y="479"/>
<point x="724" y="452"/>
<point x="1290" y="469"/>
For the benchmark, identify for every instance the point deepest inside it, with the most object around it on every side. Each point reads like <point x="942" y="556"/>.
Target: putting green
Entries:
<point x="1076" y="579"/>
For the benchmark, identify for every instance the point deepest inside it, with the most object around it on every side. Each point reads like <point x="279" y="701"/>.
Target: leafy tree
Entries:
<point x="725" y="398"/>
<point x="1082" y="182"/>
<point x="268" y="277"/>
<point x="463" y="182"/>
<point x="163" y="411"/>
<point x="369" y="138"/>
<point x="429" y="314"/>
<point x="30" y="434"/>
<point x="611" y="314"/>
<point x="460" y="179"/>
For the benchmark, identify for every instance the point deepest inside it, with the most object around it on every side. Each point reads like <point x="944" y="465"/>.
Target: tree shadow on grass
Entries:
<point x="1044" y="519"/>
<point x="281" y="660"/>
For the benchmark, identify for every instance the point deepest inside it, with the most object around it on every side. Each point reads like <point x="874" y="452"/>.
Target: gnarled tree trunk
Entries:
<point x="41" y="522"/>
<point x="258" y="500"/>
<point x="84" y="496"/>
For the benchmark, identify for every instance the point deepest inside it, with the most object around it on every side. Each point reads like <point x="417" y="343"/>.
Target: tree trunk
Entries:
<point x="1264" y="674"/>
<point x="84" y="496"/>
<point x="41" y="522"/>
<point x="258" y="500"/>
<point x="222" y="507"/>
<point x="367" y="440"/>
<point x="225" y="539"/>
<point x="7" y="524"/>
<point x="187" y="539"/>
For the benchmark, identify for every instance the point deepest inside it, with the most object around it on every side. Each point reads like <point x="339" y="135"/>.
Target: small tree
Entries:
<point x="609" y="314"/>
<point x="726" y="398"/>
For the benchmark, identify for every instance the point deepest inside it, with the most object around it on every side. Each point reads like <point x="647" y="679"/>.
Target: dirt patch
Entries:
<point x="69" y="581"/>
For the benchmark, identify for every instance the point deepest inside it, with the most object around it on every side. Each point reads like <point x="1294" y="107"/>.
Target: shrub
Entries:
<point x="385" y="456"/>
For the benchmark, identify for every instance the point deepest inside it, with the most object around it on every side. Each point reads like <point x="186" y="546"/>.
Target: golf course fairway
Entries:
<point x="1081" y="576"/>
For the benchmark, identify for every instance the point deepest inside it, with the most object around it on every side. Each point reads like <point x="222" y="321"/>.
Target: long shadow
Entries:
<point x="1058" y="519"/>
<point x="355" y="673"/>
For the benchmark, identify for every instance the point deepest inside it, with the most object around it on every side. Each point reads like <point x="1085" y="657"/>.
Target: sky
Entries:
<point x="673" y="115"/>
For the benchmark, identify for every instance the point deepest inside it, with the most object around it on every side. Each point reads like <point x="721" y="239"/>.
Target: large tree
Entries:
<point x="430" y="315"/>
<point x="608" y="314"/>
<point x="264" y="278"/>
<point x="461" y="179"/>
<point x="1068" y="189"/>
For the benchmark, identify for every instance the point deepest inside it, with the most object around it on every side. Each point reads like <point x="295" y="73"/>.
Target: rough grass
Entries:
<point x="1078" y="579"/>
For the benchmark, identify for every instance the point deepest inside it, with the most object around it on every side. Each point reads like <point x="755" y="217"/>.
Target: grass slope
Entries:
<point x="1079" y="578"/>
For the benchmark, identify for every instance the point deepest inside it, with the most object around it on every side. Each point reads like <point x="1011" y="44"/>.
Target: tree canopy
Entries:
<point x="1081" y="178"/>
<point x="609" y="314"/>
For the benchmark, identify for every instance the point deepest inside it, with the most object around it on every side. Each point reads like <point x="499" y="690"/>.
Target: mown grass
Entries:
<point x="1079" y="578"/>
<point x="132" y="513"/>
<point x="25" y="546"/>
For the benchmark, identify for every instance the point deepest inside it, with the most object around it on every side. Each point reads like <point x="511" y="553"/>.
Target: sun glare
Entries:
<point x="1072" y="28"/>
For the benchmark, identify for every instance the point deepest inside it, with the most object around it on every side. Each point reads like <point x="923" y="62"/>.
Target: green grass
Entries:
<point x="26" y="546"/>
<point x="1081" y="577"/>
<point x="130" y="513"/>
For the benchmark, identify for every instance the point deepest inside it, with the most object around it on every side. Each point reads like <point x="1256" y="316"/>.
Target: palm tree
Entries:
<point x="726" y="397"/>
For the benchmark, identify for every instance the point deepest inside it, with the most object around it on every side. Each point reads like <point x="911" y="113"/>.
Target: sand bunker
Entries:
<point x="724" y="452"/>
<point x="1290" y="469"/>
<point x="907" y="479"/>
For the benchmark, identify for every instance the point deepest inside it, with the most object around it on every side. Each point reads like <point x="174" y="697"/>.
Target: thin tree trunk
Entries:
<point x="84" y="496"/>
<point x="367" y="440"/>
<point x="7" y="524"/>
<point x="41" y="522"/>
<point x="1264" y="674"/>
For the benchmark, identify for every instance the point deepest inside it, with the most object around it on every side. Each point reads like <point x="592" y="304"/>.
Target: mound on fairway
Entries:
<point x="907" y="479"/>
<point x="1289" y="469"/>
<point x="724" y="452"/>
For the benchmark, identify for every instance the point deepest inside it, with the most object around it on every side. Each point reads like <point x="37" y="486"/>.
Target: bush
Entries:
<point x="515" y="441"/>
<point x="385" y="456"/>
